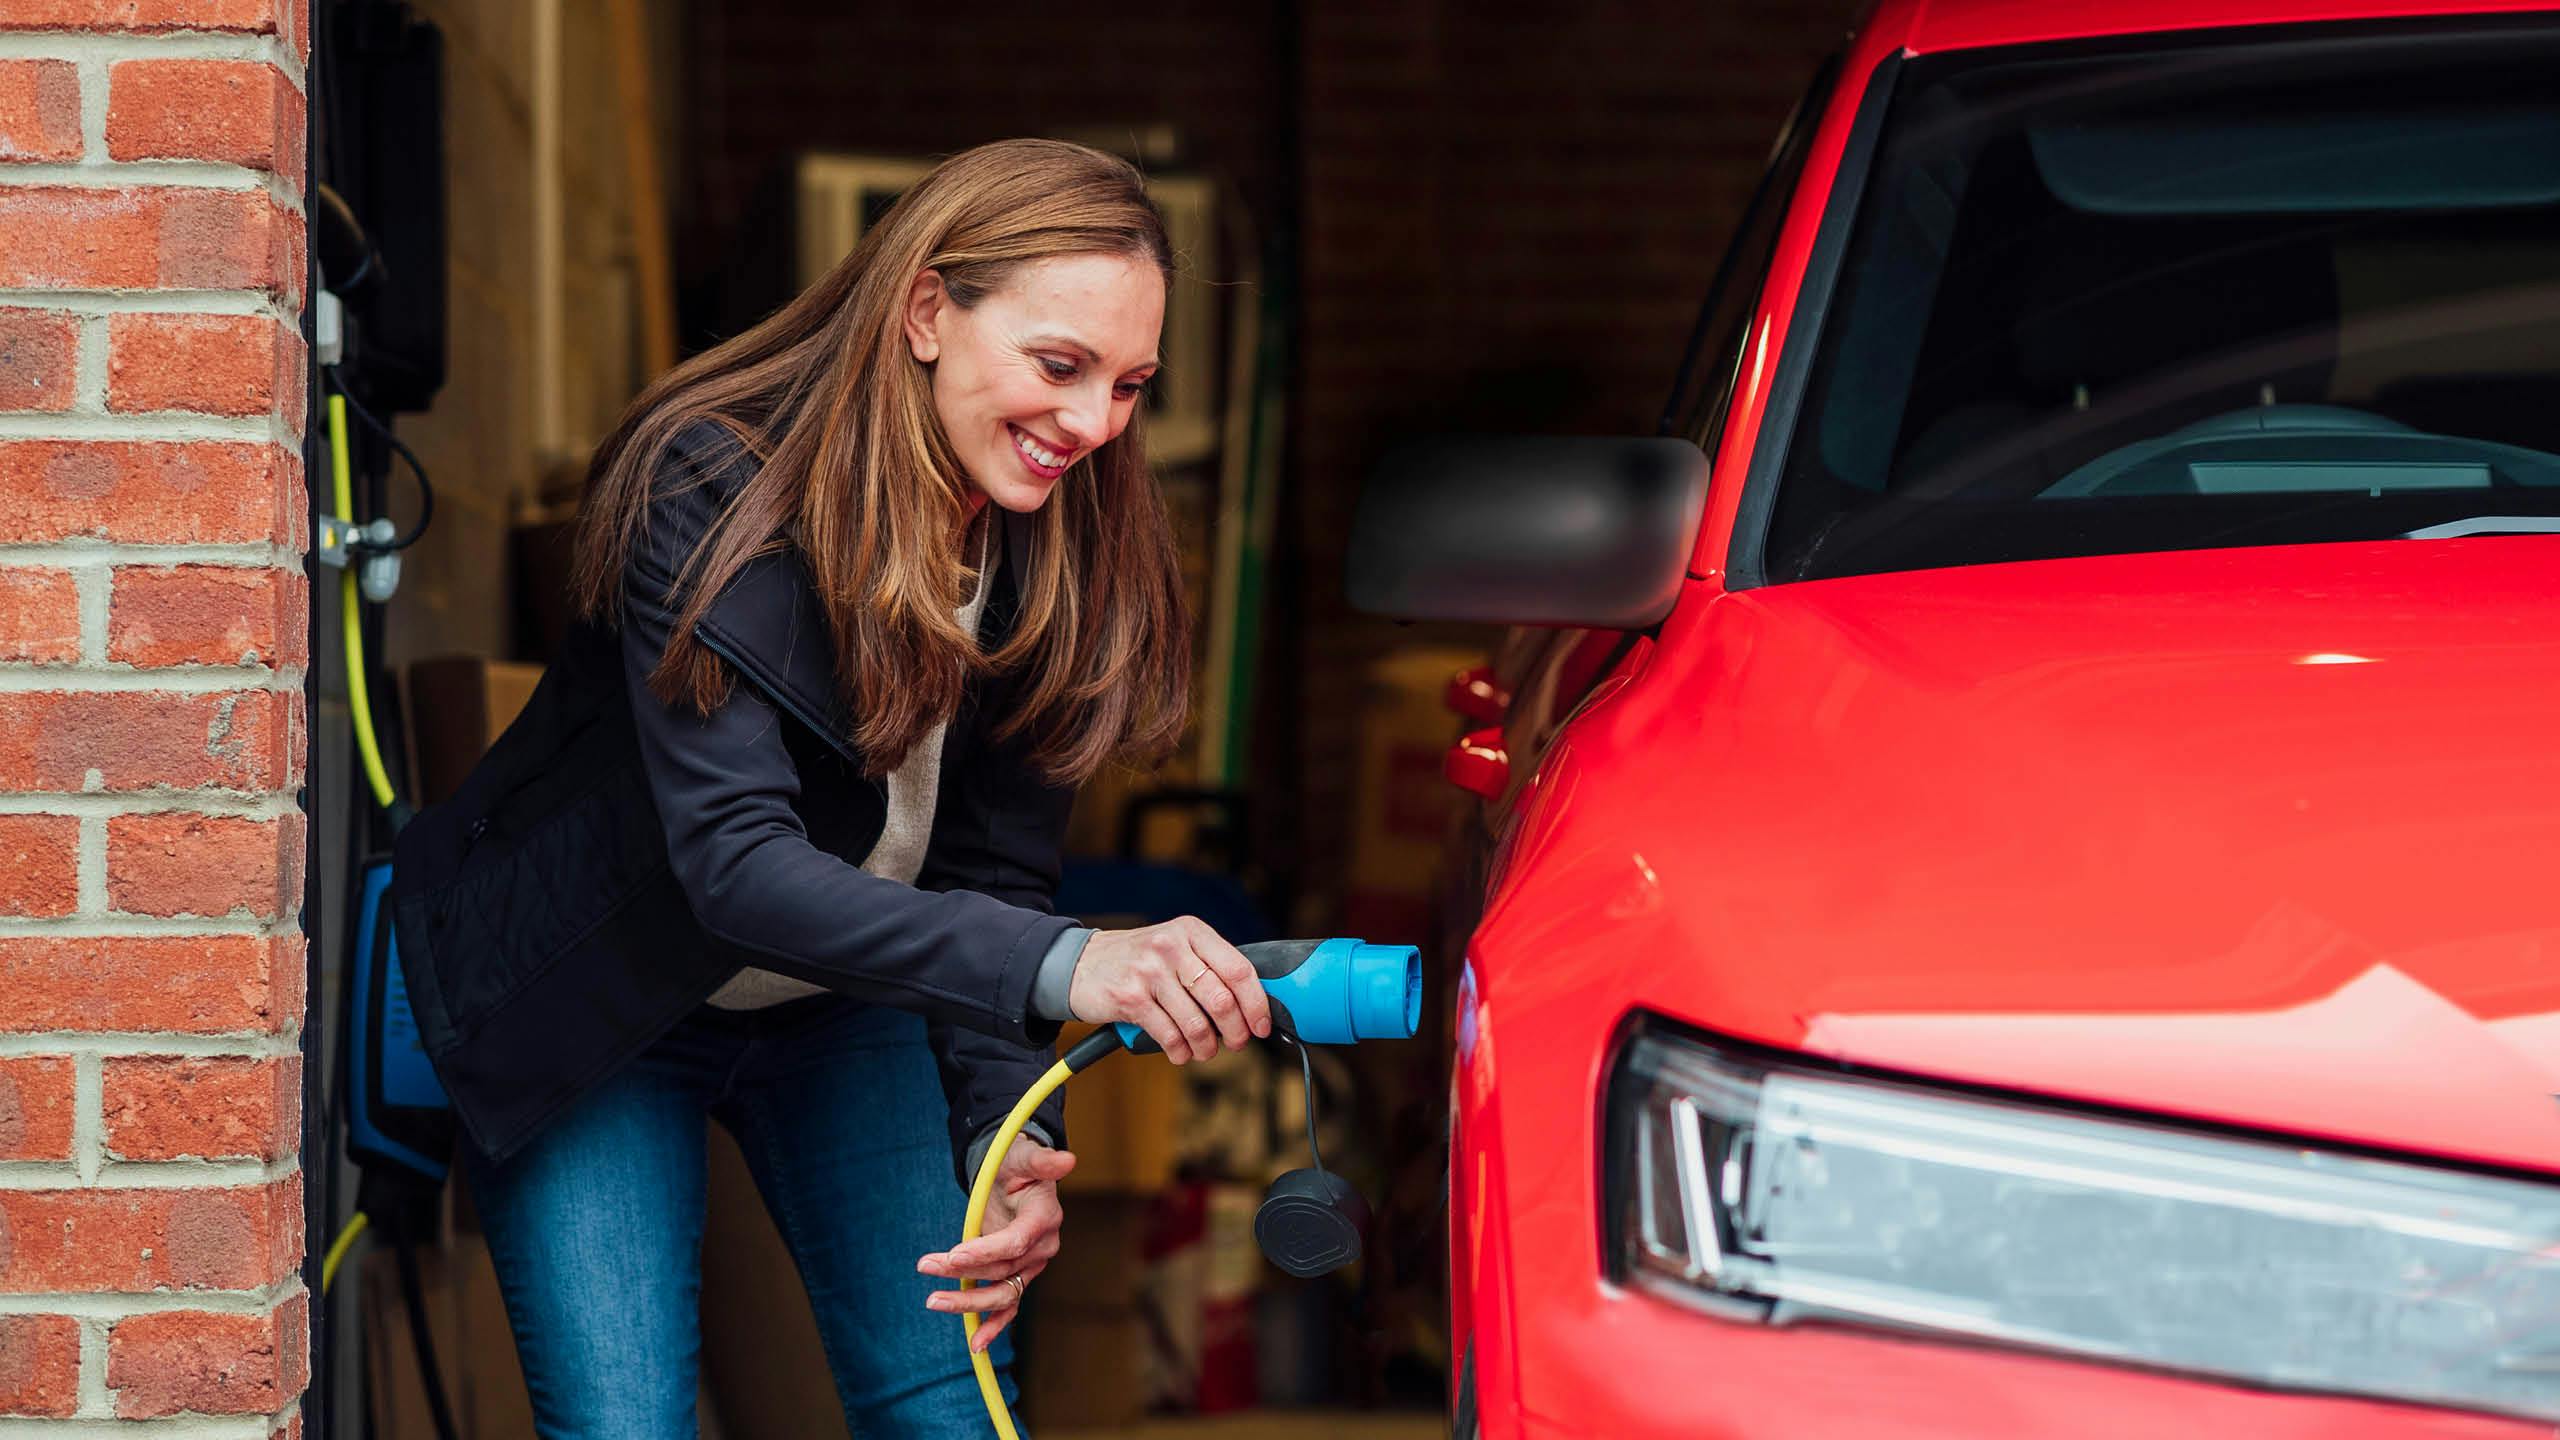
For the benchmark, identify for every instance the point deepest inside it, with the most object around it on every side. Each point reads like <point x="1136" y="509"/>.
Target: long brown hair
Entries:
<point x="856" y="472"/>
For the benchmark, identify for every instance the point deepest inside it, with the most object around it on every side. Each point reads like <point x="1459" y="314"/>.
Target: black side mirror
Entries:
<point x="1542" y="530"/>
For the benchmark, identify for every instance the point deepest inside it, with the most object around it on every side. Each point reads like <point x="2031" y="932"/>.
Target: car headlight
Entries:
<point x="1787" y="1194"/>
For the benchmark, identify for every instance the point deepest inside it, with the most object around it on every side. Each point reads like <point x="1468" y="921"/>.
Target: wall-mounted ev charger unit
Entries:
<point x="398" y="1114"/>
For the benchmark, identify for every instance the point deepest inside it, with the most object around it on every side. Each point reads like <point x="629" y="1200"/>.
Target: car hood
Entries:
<point x="2261" y="837"/>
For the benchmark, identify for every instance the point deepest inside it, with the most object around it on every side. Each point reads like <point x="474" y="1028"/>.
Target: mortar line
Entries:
<point x="181" y="1427"/>
<point x="92" y="69"/>
<point x="101" y="927"/>
<point x="88" y="1115"/>
<point x="239" y="1045"/>
<point x="146" y="1175"/>
<point x="91" y="855"/>
<point x="179" y="679"/>
<point x="269" y="805"/>
<point x="95" y="1400"/>
<point x="168" y="427"/>
<point x="142" y="174"/>
<point x="91" y="584"/>
<point x="114" y="1305"/>
<point x="111" y="46"/>
<point x="158" y="800"/>
<point x="89" y="367"/>
<point x="181" y="302"/>
<point x="89" y="550"/>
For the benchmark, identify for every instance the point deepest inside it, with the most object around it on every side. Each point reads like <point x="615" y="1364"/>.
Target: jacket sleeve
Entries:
<point x="998" y="830"/>
<point x="725" y="786"/>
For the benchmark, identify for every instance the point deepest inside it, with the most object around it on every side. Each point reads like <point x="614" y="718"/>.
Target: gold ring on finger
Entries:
<point x="1020" y="1287"/>
<point x="1195" y="977"/>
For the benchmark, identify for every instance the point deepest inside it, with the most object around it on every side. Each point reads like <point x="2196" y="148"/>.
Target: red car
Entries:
<point x="2047" y="921"/>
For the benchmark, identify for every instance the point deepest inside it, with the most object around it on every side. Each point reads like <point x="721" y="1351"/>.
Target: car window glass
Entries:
<point x="1703" y="395"/>
<point x="2249" y="291"/>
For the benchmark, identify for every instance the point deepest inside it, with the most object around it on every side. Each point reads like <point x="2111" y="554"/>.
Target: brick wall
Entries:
<point x="152" y="641"/>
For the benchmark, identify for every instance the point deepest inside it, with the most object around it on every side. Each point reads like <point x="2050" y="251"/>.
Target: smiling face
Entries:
<point x="1042" y="372"/>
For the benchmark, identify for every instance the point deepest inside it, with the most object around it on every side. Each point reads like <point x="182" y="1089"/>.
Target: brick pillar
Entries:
<point x="152" y="735"/>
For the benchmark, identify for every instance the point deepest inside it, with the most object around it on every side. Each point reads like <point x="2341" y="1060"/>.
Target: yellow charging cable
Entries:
<point x="338" y="1249"/>
<point x="1101" y="1042"/>
<point x="360" y="703"/>
<point x="342" y="488"/>
<point x="979" y="1194"/>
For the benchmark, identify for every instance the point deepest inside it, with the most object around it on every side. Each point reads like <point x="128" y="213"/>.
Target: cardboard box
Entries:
<point x="1101" y="1259"/>
<point x="1123" y="1119"/>
<point x="458" y="706"/>
<point x="1084" y="1345"/>
<point x="399" y="1396"/>
<point x="1400" y="804"/>
<point x="475" y="1346"/>
<point x="1082" y="1366"/>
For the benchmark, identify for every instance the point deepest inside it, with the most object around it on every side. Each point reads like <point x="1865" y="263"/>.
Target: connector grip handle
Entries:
<point x="1330" y="992"/>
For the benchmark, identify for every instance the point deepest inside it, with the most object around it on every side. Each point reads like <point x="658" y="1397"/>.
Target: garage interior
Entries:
<point x="1397" y="216"/>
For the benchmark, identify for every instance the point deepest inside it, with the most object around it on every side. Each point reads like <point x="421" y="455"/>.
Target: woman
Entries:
<point x="865" y="592"/>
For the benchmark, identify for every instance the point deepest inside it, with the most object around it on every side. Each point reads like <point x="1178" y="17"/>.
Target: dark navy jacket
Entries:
<point x="614" y="859"/>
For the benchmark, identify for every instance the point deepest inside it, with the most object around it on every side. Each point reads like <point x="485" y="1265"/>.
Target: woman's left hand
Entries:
<point x="1019" y="1235"/>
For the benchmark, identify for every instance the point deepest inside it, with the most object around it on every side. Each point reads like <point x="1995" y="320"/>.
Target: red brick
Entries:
<point x="208" y="615"/>
<point x="39" y="1365"/>
<point x="290" y="1429"/>
<point x="39" y="616"/>
<point x="150" y="739"/>
<point x="134" y="984"/>
<point x="244" y="112"/>
<point x="39" y="110"/>
<point x="39" y="871"/>
<point x="58" y="238"/>
<point x="149" y="493"/>
<point x="212" y="1108"/>
<point x="37" y="1095"/>
<point x="39" y="360"/>
<point x="203" y="864"/>
<point x="214" y="364"/>
<point x="87" y="1241"/>
<point x="252" y="16"/>
<point x="175" y="1361"/>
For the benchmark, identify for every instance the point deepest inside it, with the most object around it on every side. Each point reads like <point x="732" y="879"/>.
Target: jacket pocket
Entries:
<point x="542" y="760"/>
<point x="530" y="893"/>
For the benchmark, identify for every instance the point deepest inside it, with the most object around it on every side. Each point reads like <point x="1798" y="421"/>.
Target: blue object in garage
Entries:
<point x="397" y="1111"/>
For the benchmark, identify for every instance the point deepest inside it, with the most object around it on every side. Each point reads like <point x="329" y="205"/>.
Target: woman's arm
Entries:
<point x="725" y="784"/>
<point x="998" y="830"/>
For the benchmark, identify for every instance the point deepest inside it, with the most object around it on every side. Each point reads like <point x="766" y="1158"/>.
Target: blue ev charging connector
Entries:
<point x="1330" y="992"/>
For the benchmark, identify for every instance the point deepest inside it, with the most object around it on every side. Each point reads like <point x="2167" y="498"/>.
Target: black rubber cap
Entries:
<point x="1310" y="1223"/>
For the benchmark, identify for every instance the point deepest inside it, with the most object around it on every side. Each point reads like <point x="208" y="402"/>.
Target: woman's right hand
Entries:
<point x="1187" y="988"/>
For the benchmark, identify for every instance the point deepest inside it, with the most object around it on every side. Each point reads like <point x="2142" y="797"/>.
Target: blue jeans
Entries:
<point x="596" y="1226"/>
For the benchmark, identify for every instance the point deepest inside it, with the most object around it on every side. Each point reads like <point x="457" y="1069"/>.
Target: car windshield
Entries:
<point x="2243" y="292"/>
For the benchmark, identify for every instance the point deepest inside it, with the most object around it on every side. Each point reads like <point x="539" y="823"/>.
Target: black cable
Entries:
<point x="426" y="487"/>
<point x="413" y="1294"/>
<point x="1306" y="1068"/>
<point x="1101" y="1042"/>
